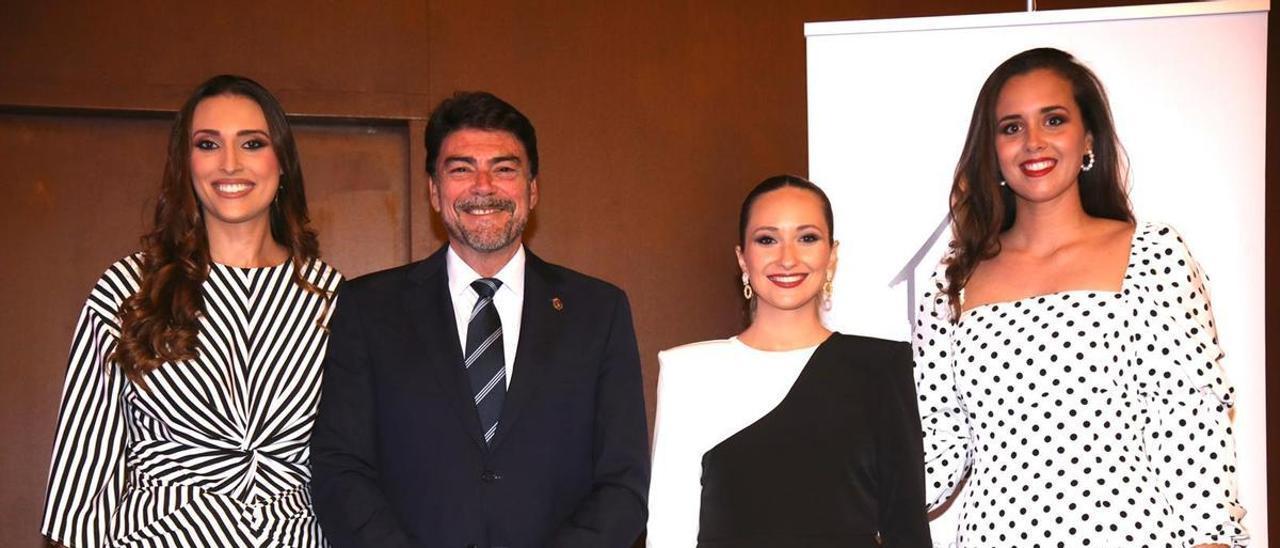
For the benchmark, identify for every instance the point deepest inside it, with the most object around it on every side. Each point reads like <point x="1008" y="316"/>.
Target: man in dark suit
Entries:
<point x="481" y="397"/>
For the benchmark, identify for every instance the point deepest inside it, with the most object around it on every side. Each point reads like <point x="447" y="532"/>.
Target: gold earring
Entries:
<point x="746" y="286"/>
<point x="826" y="294"/>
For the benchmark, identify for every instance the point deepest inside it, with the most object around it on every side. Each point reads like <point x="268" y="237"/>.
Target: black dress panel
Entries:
<point x="837" y="463"/>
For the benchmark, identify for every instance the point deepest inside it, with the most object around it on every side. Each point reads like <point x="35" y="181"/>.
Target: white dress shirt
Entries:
<point x="707" y="392"/>
<point x="509" y="300"/>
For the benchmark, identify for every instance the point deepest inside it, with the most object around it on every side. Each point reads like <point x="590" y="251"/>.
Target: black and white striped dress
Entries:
<point x="216" y="452"/>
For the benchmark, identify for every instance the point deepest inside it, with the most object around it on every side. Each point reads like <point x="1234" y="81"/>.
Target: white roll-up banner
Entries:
<point x="889" y="107"/>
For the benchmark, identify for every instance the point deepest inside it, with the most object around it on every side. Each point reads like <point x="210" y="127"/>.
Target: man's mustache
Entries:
<point x="486" y="203"/>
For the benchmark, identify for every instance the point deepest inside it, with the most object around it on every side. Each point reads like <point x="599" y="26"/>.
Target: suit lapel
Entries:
<point x="540" y="326"/>
<point x="436" y="336"/>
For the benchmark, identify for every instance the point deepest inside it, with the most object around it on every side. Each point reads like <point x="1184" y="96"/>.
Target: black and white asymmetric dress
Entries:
<point x="1084" y="418"/>
<point x="809" y="448"/>
<point x="214" y="452"/>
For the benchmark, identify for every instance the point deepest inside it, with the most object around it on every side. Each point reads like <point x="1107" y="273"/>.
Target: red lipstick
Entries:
<point x="787" y="281"/>
<point x="1037" y="167"/>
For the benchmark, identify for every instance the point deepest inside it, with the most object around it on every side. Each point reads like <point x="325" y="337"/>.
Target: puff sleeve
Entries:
<point x="948" y="452"/>
<point x="1188" y="434"/>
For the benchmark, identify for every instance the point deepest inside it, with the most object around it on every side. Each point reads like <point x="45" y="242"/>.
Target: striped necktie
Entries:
<point x="483" y="358"/>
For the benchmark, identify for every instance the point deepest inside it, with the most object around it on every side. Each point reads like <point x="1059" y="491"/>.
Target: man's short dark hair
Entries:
<point x="478" y="110"/>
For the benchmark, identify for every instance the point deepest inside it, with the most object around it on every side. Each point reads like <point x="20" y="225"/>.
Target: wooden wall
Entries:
<point x="655" y="118"/>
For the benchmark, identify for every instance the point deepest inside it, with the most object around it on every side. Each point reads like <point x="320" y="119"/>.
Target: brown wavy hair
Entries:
<point x="982" y="209"/>
<point x="160" y="322"/>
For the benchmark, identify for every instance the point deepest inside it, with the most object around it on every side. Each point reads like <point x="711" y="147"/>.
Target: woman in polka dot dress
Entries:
<point x="1066" y="356"/>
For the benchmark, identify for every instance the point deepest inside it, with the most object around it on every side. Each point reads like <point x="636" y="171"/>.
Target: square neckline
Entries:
<point x="1139" y="228"/>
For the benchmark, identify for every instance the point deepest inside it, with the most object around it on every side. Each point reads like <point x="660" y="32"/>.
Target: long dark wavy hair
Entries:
<point x="159" y="323"/>
<point x="982" y="209"/>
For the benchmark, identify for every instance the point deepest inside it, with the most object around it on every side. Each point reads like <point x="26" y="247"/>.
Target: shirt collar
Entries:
<point x="461" y="274"/>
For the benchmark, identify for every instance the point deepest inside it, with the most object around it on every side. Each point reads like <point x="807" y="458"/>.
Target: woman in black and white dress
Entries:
<point x="194" y="371"/>
<point x="1066" y="356"/>
<point x="787" y="434"/>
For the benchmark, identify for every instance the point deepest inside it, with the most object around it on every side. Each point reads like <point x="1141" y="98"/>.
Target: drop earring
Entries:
<point x="746" y="287"/>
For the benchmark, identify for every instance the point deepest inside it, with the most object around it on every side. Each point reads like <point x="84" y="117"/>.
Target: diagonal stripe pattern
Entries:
<point x="483" y="358"/>
<point x="215" y="452"/>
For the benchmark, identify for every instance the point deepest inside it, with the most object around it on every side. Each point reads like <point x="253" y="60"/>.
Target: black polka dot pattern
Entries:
<point x="1083" y="418"/>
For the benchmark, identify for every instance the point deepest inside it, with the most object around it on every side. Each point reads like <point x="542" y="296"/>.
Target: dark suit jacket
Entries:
<point x="397" y="452"/>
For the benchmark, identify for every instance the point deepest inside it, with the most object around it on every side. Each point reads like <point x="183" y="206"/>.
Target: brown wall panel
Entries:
<point x="81" y="191"/>
<point x="355" y="58"/>
<point x="75" y="190"/>
<point x="358" y="193"/>
<point x="426" y="233"/>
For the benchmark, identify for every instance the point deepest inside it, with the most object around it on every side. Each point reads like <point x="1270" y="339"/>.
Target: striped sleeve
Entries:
<point x="87" y="474"/>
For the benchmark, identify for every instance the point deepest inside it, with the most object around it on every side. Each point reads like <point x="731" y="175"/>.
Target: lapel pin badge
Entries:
<point x="557" y="304"/>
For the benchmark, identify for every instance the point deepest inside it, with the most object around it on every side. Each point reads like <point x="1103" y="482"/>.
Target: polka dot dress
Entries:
<point x="1083" y="418"/>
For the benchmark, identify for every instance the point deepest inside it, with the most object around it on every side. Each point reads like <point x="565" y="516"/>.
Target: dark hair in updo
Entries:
<point x="774" y="183"/>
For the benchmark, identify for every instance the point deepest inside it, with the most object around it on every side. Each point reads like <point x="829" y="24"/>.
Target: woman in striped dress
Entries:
<point x="194" y="373"/>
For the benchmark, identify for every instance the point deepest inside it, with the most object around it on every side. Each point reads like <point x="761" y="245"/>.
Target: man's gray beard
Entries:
<point x="488" y="243"/>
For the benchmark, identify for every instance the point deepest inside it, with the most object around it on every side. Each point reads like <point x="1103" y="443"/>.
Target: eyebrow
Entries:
<point x="508" y="158"/>
<point x="240" y="133"/>
<point x="1044" y="110"/>
<point x="472" y="161"/>
<point x="774" y="228"/>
